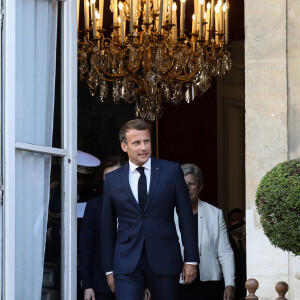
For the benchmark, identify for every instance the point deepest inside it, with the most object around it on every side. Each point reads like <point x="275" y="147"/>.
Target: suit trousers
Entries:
<point x="132" y="286"/>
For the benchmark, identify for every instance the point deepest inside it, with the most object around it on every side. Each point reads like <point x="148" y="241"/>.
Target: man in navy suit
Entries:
<point x="93" y="278"/>
<point x="139" y="242"/>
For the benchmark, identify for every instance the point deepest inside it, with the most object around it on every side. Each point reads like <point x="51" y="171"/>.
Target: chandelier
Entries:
<point x="149" y="58"/>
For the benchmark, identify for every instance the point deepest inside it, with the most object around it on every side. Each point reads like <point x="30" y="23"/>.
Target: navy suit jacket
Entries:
<point x="154" y="228"/>
<point x="91" y="270"/>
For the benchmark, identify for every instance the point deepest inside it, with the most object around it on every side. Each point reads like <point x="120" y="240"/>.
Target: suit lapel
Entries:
<point x="155" y="169"/>
<point x="126" y="185"/>
<point x="200" y="224"/>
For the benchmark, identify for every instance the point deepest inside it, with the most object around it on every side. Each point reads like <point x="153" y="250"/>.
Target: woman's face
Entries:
<point x="110" y="169"/>
<point x="193" y="186"/>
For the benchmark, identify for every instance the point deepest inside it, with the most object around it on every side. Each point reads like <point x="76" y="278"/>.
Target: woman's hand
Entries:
<point x="229" y="293"/>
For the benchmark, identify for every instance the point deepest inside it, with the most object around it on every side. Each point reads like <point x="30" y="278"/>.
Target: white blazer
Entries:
<point x="215" y="252"/>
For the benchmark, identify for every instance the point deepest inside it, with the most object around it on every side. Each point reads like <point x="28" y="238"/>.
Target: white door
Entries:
<point x="1" y="158"/>
<point x="29" y="61"/>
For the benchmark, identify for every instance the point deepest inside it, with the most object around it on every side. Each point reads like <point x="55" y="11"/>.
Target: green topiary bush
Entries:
<point x="278" y="203"/>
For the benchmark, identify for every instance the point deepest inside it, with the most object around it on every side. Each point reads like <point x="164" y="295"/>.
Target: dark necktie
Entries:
<point x="241" y="252"/>
<point x="142" y="188"/>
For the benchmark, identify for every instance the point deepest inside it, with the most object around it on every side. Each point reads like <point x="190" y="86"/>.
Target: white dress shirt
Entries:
<point x="134" y="176"/>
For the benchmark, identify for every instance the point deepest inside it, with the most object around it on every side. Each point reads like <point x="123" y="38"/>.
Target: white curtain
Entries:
<point x="35" y="80"/>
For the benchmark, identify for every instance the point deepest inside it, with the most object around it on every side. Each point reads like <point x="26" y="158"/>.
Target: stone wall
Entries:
<point x="272" y="88"/>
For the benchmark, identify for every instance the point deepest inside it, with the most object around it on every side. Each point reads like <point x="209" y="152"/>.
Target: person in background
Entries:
<point x="237" y="237"/>
<point x="93" y="278"/>
<point x="87" y="165"/>
<point x="215" y="253"/>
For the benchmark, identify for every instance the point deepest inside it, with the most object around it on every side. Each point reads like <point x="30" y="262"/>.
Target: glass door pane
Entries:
<point x="51" y="288"/>
<point x="32" y="197"/>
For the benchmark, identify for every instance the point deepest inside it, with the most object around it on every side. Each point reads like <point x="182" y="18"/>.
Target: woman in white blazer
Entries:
<point x="215" y="253"/>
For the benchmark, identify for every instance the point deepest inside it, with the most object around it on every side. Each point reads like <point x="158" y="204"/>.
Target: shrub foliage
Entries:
<point x="278" y="203"/>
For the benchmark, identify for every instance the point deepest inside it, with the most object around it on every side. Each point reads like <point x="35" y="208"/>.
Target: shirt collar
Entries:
<point x="133" y="167"/>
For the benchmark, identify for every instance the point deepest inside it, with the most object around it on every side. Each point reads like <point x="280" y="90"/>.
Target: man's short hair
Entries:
<point x="192" y="169"/>
<point x="235" y="211"/>
<point x="108" y="162"/>
<point x="138" y="124"/>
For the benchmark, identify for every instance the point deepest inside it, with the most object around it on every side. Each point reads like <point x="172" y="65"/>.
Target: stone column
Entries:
<point x="293" y="67"/>
<point x="272" y="88"/>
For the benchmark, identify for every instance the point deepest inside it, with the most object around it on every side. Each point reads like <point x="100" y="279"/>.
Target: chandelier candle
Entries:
<point x="196" y="13"/>
<point x="101" y="4"/>
<point x="147" y="10"/>
<point x="226" y="21"/>
<point x="115" y="14"/>
<point x="221" y="17"/>
<point x="86" y="14"/>
<point x="131" y="18"/>
<point x="217" y="21"/>
<point x="134" y="12"/>
<point x="164" y="12"/>
<point x="121" y="7"/>
<point x="97" y="19"/>
<point x="160" y="15"/>
<point x="174" y="8"/>
<point x="212" y="14"/>
<point x="201" y="20"/>
<point x="119" y="29"/>
<point x="193" y="23"/>
<point x="93" y="18"/>
<point x="204" y="24"/>
<point x="208" y="22"/>
<point x="171" y="11"/>
<point x="182" y="17"/>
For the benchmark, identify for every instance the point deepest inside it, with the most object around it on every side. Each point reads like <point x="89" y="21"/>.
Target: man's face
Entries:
<point x="137" y="146"/>
<point x="236" y="218"/>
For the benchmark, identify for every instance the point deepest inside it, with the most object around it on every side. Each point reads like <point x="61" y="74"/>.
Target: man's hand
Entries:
<point x="189" y="273"/>
<point x="89" y="294"/>
<point x="229" y="293"/>
<point x="111" y="281"/>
